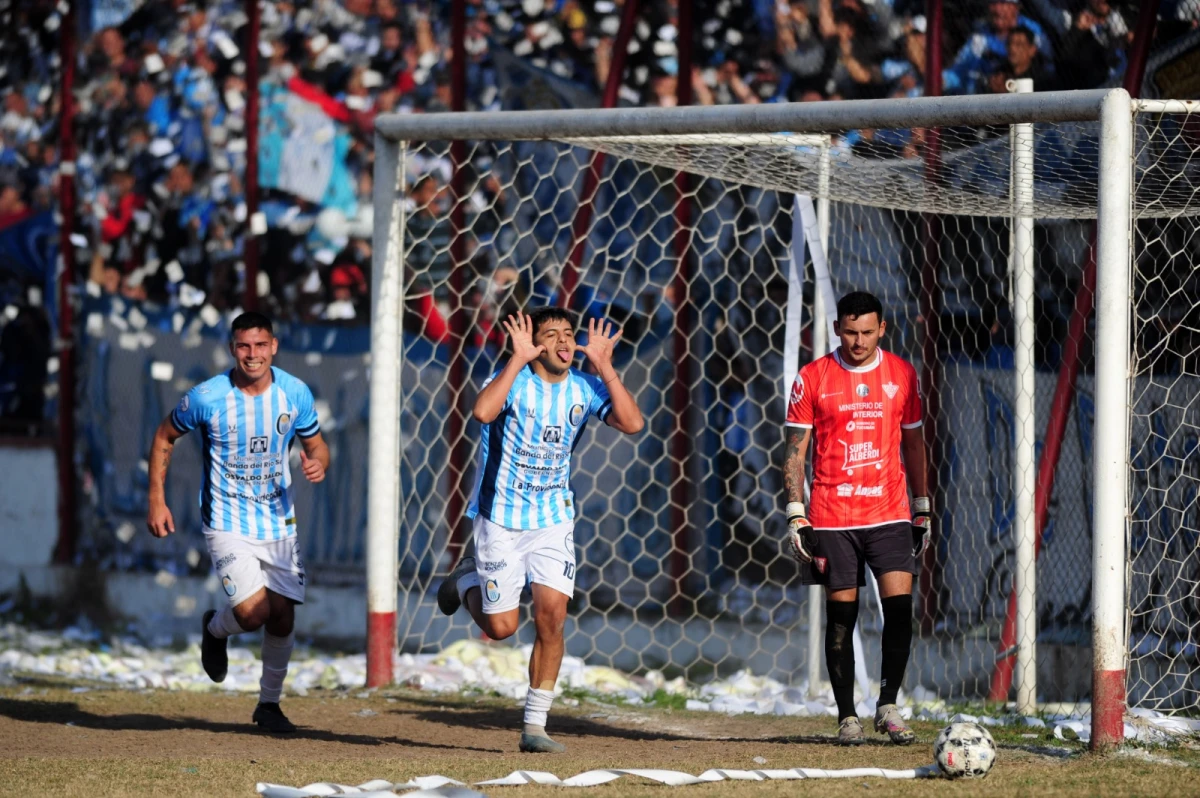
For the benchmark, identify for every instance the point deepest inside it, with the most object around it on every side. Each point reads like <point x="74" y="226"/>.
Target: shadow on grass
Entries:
<point x="63" y="712"/>
<point x="484" y="717"/>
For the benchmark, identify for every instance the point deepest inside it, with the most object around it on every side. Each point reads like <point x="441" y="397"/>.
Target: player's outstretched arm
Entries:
<point x="492" y="398"/>
<point x="626" y="416"/>
<point x="314" y="458"/>
<point x="158" y="516"/>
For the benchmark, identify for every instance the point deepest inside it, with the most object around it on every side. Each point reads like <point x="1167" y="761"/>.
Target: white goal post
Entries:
<point x="695" y="139"/>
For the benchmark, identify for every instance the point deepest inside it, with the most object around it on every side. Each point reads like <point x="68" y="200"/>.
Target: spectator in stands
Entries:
<point x="24" y="359"/>
<point x="1092" y="50"/>
<point x="12" y="206"/>
<point x="1023" y="61"/>
<point x="851" y="49"/>
<point x="429" y="230"/>
<point x="987" y="48"/>
<point x="728" y="87"/>
<point x="799" y="47"/>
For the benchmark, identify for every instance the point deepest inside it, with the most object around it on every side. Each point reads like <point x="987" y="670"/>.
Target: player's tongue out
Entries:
<point x="564" y="354"/>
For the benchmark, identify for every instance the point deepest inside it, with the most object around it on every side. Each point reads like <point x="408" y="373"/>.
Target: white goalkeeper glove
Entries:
<point x="922" y="525"/>
<point x="801" y="537"/>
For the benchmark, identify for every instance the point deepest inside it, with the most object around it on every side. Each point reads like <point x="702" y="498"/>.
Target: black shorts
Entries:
<point x="838" y="563"/>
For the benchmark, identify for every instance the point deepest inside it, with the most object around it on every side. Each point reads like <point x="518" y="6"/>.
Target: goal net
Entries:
<point x="687" y="242"/>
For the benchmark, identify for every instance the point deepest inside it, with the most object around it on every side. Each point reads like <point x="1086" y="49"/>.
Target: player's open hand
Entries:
<point x="520" y="333"/>
<point x="314" y="472"/>
<point x="602" y="338"/>
<point x="159" y="520"/>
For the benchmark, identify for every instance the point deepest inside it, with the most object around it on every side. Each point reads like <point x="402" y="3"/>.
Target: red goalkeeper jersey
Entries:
<point x="856" y="415"/>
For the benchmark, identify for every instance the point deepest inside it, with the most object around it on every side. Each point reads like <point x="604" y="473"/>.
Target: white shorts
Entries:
<point x="246" y="565"/>
<point x="506" y="559"/>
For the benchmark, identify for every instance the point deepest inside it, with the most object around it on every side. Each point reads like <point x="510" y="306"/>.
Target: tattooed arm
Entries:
<point x="158" y="517"/>
<point x="793" y="463"/>
<point x="801" y="538"/>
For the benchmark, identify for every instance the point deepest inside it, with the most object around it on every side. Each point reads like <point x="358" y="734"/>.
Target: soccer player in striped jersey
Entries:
<point x="247" y="418"/>
<point x="862" y="407"/>
<point x="533" y="413"/>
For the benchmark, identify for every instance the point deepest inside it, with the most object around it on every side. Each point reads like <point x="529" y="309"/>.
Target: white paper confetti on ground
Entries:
<point x="471" y="665"/>
<point x="592" y="778"/>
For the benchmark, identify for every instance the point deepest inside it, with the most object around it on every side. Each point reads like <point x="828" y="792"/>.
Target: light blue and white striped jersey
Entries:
<point x="523" y="480"/>
<point x="247" y="481"/>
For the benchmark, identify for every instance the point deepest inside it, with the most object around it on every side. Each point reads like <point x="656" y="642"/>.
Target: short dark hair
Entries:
<point x="859" y="303"/>
<point x="1023" y="30"/>
<point x="542" y="315"/>
<point x="250" y="321"/>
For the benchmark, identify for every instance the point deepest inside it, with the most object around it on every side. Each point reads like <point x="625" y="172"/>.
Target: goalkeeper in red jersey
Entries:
<point x="862" y="407"/>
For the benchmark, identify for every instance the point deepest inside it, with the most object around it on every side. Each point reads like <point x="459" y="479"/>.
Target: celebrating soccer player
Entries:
<point x="533" y="412"/>
<point x="247" y="418"/>
<point x="864" y="408"/>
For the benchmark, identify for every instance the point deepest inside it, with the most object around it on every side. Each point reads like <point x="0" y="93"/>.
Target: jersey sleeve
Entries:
<point x="508" y="400"/>
<point x="191" y="411"/>
<point x="914" y="413"/>
<point x="307" y="425"/>
<point x="601" y="405"/>
<point x="800" y="404"/>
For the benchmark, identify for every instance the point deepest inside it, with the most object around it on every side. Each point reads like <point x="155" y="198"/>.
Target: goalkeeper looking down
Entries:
<point x="862" y="408"/>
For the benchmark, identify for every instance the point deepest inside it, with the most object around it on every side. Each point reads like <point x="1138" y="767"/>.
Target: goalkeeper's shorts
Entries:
<point x="842" y="555"/>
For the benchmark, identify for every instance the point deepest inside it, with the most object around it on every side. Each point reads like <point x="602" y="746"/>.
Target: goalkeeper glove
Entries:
<point x="801" y="537"/>
<point x="922" y="525"/>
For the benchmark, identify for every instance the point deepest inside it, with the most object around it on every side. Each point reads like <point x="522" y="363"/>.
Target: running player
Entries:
<point x="247" y="418"/>
<point x="863" y="406"/>
<point x="533" y="412"/>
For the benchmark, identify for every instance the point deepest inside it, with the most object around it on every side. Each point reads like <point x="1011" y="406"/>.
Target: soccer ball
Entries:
<point x="964" y="750"/>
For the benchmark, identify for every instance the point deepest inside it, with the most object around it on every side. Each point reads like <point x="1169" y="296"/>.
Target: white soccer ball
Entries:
<point x="965" y="750"/>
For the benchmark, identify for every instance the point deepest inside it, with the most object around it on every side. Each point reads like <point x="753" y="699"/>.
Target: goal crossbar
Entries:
<point x="823" y="117"/>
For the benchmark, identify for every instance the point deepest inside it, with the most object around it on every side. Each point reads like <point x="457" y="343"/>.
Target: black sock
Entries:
<point x="840" y="617"/>
<point x="897" y="640"/>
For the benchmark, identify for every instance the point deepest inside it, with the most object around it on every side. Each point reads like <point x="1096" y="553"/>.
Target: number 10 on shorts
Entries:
<point x="569" y="570"/>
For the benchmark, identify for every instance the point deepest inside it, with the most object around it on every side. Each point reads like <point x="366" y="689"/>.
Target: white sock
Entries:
<point x="537" y="708"/>
<point x="465" y="583"/>
<point x="224" y="624"/>
<point x="276" y="651"/>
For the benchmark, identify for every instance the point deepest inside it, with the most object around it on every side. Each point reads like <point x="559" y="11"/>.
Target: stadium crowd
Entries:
<point x="161" y="103"/>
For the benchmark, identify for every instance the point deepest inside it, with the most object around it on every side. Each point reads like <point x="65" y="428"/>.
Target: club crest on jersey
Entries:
<point x="862" y="390"/>
<point x="576" y="415"/>
<point x="184" y="404"/>
<point x="229" y="585"/>
<point x="890" y="388"/>
<point x="492" y="588"/>
<point x="283" y="423"/>
<point x="258" y="445"/>
<point x="552" y="435"/>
